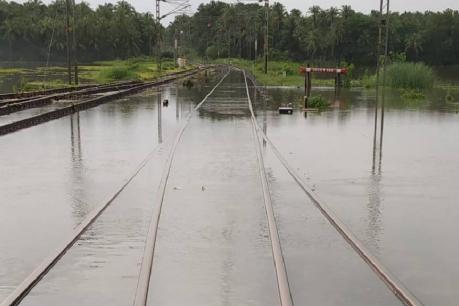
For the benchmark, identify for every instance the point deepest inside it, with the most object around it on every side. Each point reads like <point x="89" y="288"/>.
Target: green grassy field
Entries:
<point x="143" y="69"/>
<point x="281" y="73"/>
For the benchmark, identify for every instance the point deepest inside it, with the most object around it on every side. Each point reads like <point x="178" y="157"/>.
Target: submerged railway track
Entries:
<point x="279" y="265"/>
<point x="80" y="100"/>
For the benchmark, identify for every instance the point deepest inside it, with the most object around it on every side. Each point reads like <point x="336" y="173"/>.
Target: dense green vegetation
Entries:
<point x="220" y="30"/>
<point x="100" y="72"/>
<point x="410" y="76"/>
<point x="131" y="69"/>
<point x="318" y="102"/>
<point x="109" y="32"/>
<point x="286" y="73"/>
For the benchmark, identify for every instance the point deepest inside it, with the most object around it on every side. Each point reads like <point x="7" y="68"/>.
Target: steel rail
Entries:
<point x="285" y="294"/>
<point x="30" y="94"/>
<point x="8" y="107"/>
<point x="87" y="104"/>
<point x="143" y="284"/>
<point x="395" y="286"/>
<point x="17" y="106"/>
<point x="40" y="271"/>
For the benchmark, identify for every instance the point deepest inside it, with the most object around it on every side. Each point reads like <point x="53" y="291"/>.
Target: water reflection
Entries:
<point x="378" y="133"/>
<point x="77" y="192"/>
<point x="160" y="123"/>
<point x="177" y="103"/>
<point x="75" y="137"/>
<point x="265" y="117"/>
<point x="374" y="226"/>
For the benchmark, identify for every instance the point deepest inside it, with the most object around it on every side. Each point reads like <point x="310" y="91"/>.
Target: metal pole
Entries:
<point x="383" y="97"/>
<point x="378" y="68"/>
<point x="266" y="35"/>
<point x="158" y="43"/>
<point x="74" y="45"/>
<point x="67" y="36"/>
<point x="175" y="49"/>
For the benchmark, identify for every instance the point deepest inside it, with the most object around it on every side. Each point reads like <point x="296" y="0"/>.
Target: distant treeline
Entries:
<point x="219" y="29"/>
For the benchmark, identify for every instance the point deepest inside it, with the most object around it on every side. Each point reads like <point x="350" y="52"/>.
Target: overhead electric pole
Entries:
<point x="266" y="35"/>
<point x="158" y="43"/>
<point x="381" y="67"/>
<point x="74" y="44"/>
<point x="67" y="36"/>
<point x="386" y="24"/>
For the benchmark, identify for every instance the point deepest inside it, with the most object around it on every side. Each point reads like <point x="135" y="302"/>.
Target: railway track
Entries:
<point x="394" y="285"/>
<point x="141" y="298"/>
<point x="143" y="284"/>
<point x="14" y="97"/>
<point x="40" y="271"/>
<point x="24" y="101"/>
<point x="111" y="92"/>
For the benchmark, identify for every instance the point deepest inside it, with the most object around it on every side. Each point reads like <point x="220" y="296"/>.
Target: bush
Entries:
<point x="410" y="76"/>
<point x="350" y="73"/>
<point x="167" y="55"/>
<point x="318" y="102"/>
<point x="452" y="95"/>
<point x="369" y="81"/>
<point x="212" y="52"/>
<point x="118" y="73"/>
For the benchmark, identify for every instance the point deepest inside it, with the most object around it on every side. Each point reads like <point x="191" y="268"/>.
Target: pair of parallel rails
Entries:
<point x="98" y="95"/>
<point x="285" y="296"/>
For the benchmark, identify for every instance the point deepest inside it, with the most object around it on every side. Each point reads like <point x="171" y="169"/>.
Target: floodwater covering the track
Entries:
<point x="405" y="212"/>
<point x="213" y="244"/>
<point x="52" y="175"/>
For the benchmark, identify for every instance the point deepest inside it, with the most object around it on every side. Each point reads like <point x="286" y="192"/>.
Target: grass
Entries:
<point x="39" y="85"/>
<point x="318" y="102"/>
<point x="132" y="69"/>
<point x="281" y="73"/>
<point x="415" y="76"/>
<point x="12" y="70"/>
<point x="99" y="72"/>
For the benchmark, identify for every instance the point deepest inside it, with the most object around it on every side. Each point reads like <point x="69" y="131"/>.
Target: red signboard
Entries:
<point x="324" y="70"/>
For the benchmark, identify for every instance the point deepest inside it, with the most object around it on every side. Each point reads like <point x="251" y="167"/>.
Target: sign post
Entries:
<point x="307" y="71"/>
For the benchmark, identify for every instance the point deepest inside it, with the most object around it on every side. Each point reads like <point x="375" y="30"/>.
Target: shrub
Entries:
<point x="350" y="73"/>
<point x="369" y="81"/>
<point x="451" y="95"/>
<point x="212" y="52"/>
<point x="167" y="55"/>
<point x="118" y="73"/>
<point x="318" y="102"/>
<point x="410" y="76"/>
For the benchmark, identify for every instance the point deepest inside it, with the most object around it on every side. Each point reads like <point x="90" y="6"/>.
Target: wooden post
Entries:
<point x="336" y="85"/>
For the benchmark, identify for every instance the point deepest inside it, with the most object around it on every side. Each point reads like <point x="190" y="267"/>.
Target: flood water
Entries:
<point x="407" y="212"/>
<point x="53" y="174"/>
<point x="213" y="244"/>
